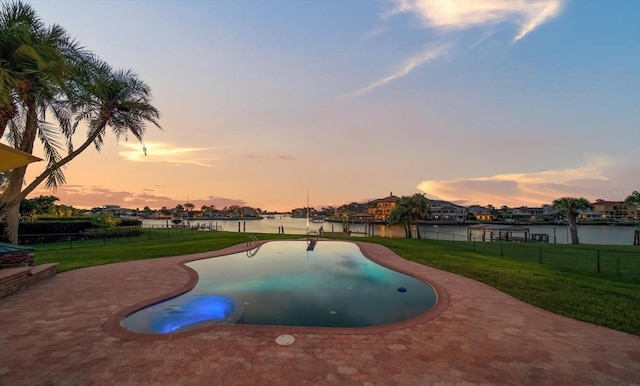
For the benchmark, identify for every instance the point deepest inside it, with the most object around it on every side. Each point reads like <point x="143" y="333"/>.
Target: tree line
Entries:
<point x="409" y="209"/>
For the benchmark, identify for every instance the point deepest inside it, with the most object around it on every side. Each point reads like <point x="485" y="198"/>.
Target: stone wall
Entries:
<point x="16" y="279"/>
<point x="16" y="259"/>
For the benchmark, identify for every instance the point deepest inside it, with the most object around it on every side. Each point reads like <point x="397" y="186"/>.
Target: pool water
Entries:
<point x="282" y="283"/>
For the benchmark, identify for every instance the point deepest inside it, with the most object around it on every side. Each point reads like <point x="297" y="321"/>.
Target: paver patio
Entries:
<point x="66" y="331"/>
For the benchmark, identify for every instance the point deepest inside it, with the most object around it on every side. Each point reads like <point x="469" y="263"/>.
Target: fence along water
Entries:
<point x="588" y="258"/>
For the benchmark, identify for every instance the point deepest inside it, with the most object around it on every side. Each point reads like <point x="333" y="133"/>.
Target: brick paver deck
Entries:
<point x="66" y="331"/>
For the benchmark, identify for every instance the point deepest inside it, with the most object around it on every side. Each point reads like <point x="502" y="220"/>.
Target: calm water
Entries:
<point x="284" y="284"/>
<point x="588" y="234"/>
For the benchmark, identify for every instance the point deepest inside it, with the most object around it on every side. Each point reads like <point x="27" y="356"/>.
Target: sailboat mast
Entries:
<point x="307" y="211"/>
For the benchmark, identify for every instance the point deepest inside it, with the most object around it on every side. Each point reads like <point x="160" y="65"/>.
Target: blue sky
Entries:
<point x="477" y="102"/>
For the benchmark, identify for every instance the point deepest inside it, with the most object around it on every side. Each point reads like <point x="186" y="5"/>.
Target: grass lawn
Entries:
<point x="608" y="299"/>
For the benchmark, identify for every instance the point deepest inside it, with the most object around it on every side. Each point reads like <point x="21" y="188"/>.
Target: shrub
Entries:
<point x="127" y="222"/>
<point x="119" y="231"/>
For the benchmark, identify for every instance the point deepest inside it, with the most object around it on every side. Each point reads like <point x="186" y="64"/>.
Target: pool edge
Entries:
<point x="374" y="252"/>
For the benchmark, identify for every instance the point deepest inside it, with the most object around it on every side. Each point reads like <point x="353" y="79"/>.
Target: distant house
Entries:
<point x="446" y="211"/>
<point x="524" y="213"/>
<point x="302" y="212"/>
<point x="549" y="211"/>
<point x="591" y="215"/>
<point x="115" y="210"/>
<point x="249" y="211"/>
<point x="381" y="208"/>
<point x="616" y="210"/>
<point x="481" y="213"/>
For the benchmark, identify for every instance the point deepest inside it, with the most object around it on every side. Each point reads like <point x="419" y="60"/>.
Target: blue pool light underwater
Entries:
<point x="192" y="311"/>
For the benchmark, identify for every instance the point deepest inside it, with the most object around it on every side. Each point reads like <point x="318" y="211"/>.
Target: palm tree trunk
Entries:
<point x="573" y="228"/>
<point x="10" y="198"/>
<point x="6" y="113"/>
<point x="11" y="222"/>
<point x="417" y="230"/>
<point x="10" y="210"/>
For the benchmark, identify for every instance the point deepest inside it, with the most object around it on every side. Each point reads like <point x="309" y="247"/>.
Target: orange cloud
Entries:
<point x="81" y="196"/>
<point x="598" y="179"/>
<point x="158" y="152"/>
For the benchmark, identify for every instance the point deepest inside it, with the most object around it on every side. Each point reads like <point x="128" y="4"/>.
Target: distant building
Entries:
<point x="249" y="211"/>
<point x="524" y="213"/>
<point x="591" y="215"/>
<point x="446" y="211"/>
<point x="381" y="208"/>
<point x="302" y="212"/>
<point x="616" y="210"/>
<point x="481" y="213"/>
<point x="115" y="210"/>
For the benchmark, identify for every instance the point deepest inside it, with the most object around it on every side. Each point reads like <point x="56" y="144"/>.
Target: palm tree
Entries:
<point x="634" y="199"/>
<point x="418" y="208"/>
<point x="571" y="207"/>
<point x="35" y="64"/>
<point x="401" y="214"/>
<point x="30" y="57"/>
<point x="103" y="98"/>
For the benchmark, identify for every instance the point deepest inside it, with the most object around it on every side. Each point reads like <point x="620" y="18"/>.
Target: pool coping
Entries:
<point x="374" y="252"/>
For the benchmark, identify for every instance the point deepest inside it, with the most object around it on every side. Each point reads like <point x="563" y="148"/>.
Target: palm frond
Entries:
<point x="48" y="135"/>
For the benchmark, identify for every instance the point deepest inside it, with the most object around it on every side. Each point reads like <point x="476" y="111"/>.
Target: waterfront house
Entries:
<point x="481" y="213"/>
<point x="446" y="211"/>
<point x="381" y="208"/>
<point x="616" y="211"/>
<point x="591" y="216"/>
<point x="526" y="214"/>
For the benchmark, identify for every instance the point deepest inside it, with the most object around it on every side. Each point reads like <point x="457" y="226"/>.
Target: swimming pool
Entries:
<point x="283" y="283"/>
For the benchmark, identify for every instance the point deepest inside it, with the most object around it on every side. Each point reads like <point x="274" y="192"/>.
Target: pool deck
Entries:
<point x="66" y="331"/>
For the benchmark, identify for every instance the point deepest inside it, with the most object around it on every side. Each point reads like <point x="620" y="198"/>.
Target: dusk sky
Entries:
<point x="475" y="102"/>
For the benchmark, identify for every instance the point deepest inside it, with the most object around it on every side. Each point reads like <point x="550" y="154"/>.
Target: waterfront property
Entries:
<point x="381" y="208"/>
<point x="616" y="211"/>
<point x="446" y="211"/>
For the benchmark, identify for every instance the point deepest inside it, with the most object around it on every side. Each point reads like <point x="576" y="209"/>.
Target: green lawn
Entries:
<point x="566" y="282"/>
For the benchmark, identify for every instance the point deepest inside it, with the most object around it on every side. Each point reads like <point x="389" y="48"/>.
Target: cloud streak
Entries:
<point x="458" y="15"/>
<point x="413" y="63"/>
<point x="593" y="180"/>
<point x="165" y="153"/>
<point x="276" y="157"/>
<point x="465" y="14"/>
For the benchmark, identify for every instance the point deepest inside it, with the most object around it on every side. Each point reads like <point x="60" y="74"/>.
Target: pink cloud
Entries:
<point x="598" y="179"/>
<point x="94" y="196"/>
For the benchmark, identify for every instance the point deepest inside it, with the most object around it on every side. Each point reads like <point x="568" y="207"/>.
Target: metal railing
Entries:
<point x="254" y="244"/>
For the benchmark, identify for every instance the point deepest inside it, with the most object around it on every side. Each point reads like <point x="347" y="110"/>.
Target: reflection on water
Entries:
<point x="284" y="284"/>
<point x="334" y="285"/>
<point x="588" y="234"/>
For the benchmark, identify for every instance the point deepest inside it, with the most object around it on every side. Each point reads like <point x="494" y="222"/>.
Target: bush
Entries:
<point x="119" y="231"/>
<point x="127" y="222"/>
<point x="48" y="227"/>
<point x="48" y="230"/>
<point x="62" y="219"/>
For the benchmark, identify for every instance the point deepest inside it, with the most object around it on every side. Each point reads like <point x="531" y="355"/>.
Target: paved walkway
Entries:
<point x="66" y="331"/>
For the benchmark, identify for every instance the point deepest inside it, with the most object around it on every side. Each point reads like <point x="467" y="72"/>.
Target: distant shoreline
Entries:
<point x="467" y="223"/>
